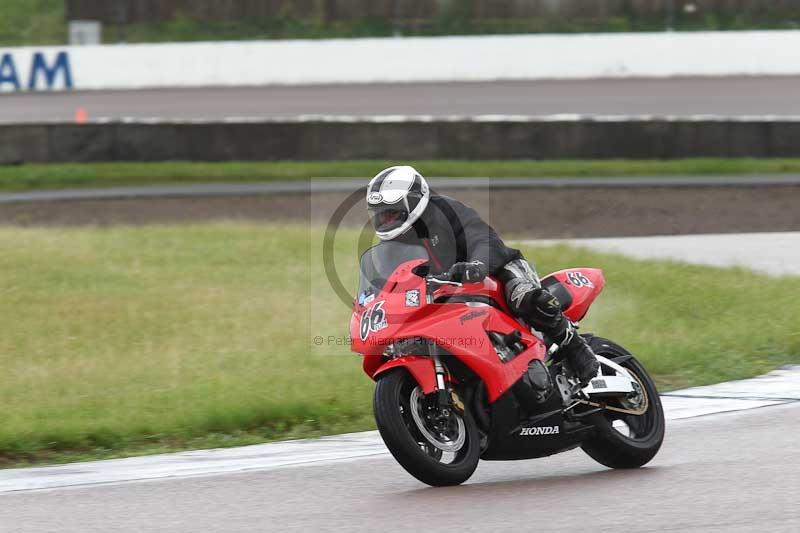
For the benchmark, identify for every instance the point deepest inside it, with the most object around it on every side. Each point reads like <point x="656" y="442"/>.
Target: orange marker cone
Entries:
<point x="81" y="116"/>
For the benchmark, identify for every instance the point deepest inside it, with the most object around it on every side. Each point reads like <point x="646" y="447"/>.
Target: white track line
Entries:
<point x="777" y="387"/>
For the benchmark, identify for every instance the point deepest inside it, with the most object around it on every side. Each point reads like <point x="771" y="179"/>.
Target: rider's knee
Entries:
<point x="537" y="306"/>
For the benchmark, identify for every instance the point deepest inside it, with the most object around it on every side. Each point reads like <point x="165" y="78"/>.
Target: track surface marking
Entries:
<point x="778" y="387"/>
<point x="734" y="472"/>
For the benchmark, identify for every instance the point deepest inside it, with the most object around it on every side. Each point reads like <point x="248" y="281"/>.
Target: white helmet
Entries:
<point x="396" y="198"/>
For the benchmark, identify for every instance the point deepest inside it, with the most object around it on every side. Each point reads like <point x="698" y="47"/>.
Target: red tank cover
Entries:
<point x="576" y="289"/>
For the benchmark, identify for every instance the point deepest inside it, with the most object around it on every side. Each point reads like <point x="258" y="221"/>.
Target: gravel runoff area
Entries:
<point x="530" y="213"/>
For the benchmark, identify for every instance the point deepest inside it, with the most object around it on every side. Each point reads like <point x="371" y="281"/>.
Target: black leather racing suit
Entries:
<point x="453" y="233"/>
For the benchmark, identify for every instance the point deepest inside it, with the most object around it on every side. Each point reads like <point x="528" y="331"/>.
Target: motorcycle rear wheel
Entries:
<point x="611" y="446"/>
<point x="434" y="456"/>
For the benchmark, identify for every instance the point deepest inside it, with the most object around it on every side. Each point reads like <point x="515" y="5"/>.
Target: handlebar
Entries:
<point x="443" y="279"/>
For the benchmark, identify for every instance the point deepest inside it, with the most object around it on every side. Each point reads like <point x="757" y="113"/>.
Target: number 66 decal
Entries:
<point x="578" y="279"/>
<point x="373" y="319"/>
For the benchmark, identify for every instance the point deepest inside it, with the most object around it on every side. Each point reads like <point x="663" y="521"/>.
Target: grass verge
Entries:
<point x="122" y="341"/>
<point x="54" y="176"/>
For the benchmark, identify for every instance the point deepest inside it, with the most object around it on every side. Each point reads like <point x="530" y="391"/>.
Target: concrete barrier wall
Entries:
<point x="415" y="59"/>
<point x="401" y="140"/>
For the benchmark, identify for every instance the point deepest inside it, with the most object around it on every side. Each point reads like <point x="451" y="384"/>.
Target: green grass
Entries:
<point x="161" y="336"/>
<point x="121" y="341"/>
<point x="53" y="176"/>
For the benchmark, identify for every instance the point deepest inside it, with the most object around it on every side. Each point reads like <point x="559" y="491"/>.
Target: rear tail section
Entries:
<point x="576" y="289"/>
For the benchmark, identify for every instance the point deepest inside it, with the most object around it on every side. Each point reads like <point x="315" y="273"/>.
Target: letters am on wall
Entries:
<point x="35" y="71"/>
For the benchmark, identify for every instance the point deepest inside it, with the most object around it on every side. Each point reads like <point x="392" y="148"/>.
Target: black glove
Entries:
<point x="473" y="272"/>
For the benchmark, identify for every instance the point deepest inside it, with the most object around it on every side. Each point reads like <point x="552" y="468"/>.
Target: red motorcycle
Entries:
<point x="460" y="379"/>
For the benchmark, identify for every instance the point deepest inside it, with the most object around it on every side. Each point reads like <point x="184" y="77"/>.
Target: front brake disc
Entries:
<point x="441" y="442"/>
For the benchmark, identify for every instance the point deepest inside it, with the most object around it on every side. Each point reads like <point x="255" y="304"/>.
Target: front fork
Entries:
<point x="430" y="374"/>
<point x="440" y="372"/>
<point x="446" y="396"/>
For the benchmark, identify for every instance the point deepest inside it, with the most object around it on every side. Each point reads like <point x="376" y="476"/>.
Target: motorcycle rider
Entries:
<point x="401" y="207"/>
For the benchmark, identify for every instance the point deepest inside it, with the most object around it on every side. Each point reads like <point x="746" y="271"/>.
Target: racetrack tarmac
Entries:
<point x="734" y="96"/>
<point x="728" y="472"/>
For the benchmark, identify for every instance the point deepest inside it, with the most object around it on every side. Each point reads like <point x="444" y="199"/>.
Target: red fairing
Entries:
<point x="458" y="328"/>
<point x="582" y="285"/>
<point x="490" y="288"/>
<point x="458" y="320"/>
<point x="419" y="367"/>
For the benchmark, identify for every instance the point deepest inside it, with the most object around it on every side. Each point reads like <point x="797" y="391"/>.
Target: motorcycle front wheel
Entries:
<point x="438" y="448"/>
<point x="627" y="440"/>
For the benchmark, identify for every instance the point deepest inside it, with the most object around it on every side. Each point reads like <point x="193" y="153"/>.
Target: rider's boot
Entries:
<point x="579" y="356"/>
<point x="540" y="309"/>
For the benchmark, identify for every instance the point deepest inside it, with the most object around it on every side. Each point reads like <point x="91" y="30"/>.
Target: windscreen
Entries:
<point x="378" y="263"/>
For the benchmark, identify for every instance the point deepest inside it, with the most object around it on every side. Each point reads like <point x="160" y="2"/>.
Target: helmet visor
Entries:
<point x="387" y="218"/>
